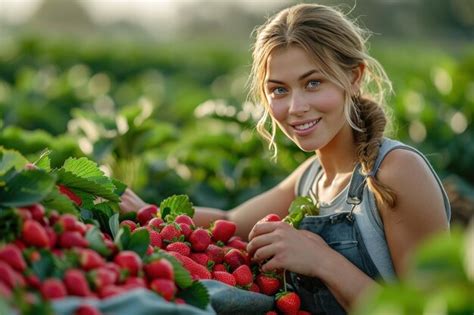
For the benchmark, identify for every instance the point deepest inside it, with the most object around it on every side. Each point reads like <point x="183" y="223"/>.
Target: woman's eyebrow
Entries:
<point x="301" y="77"/>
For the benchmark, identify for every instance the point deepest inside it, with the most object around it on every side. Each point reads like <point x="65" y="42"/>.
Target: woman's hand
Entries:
<point x="286" y="248"/>
<point x="131" y="202"/>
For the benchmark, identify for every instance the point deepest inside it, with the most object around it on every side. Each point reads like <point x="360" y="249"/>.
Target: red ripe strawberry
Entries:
<point x="215" y="253"/>
<point x="81" y="227"/>
<point x="268" y="284"/>
<point x="164" y="287"/>
<point x="102" y="277"/>
<point x="37" y="211"/>
<point x="111" y="290"/>
<point x="169" y="233"/>
<point x="199" y="239"/>
<point x="243" y="275"/>
<point x="288" y="302"/>
<point x="301" y="312"/>
<point x="76" y="283"/>
<point x="223" y="230"/>
<point x="11" y="254"/>
<point x="69" y="239"/>
<point x="10" y="277"/>
<point x="234" y="258"/>
<point x="196" y="270"/>
<point x="236" y="242"/>
<point x="86" y="309"/>
<point x="183" y="218"/>
<point x="224" y="276"/>
<point x="179" y="247"/>
<point x="219" y="267"/>
<point x="132" y="225"/>
<point x="134" y="282"/>
<point x="34" y="234"/>
<point x="32" y="280"/>
<point x="179" y="301"/>
<point x="66" y="222"/>
<point x="146" y="213"/>
<point x="24" y="214"/>
<point x="70" y="194"/>
<point x="272" y="217"/>
<point x="186" y="230"/>
<point x="200" y="258"/>
<point x="271" y="313"/>
<point x="155" y="223"/>
<point x="90" y="259"/>
<point x="160" y="268"/>
<point x="53" y="288"/>
<point x="130" y="261"/>
<point x="53" y="237"/>
<point x="254" y="288"/>
<point x="155" y="238"/>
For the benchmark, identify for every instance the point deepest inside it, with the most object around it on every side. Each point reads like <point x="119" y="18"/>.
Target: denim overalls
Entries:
<point x="340" y="232"/>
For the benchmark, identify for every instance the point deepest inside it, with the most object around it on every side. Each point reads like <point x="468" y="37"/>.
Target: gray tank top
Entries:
<point x="367" y="214"/>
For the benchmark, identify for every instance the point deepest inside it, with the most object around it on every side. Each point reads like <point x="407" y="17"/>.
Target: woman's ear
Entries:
<point x="357" y="74"/>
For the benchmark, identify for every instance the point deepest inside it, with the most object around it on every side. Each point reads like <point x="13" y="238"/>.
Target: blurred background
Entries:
<point x="155" y="91"/>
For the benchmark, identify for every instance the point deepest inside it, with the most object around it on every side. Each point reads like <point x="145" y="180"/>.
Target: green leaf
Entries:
<point x="25" y="188"/>
<point x="196" y="295"/>
<point x="114" y="224"/>
<point x="139" y="242"/>
<point x="96" y="242"/>
<point x="11" y="159"/>
<point x="177" y="204"/>
<point x="44" y="267"/>
<point x="44" y="161"/>
<point x="299" y="208"/>
<point x="123" y="237"/>
<point x="119" y="187"/>
<point x="60" y="202"/>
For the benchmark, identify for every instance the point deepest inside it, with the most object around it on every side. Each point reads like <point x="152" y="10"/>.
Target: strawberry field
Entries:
<point x="80" y="123"/>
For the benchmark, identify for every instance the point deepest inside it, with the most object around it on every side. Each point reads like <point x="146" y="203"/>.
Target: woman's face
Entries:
<point x="307" y="107"/>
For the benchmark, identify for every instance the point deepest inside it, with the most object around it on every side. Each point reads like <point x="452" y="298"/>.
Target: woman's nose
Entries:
<point x="298" y="104"/>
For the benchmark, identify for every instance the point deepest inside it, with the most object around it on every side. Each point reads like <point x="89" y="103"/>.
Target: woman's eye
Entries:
<point x="313" y="84"/>
<point x="278" y="91"/>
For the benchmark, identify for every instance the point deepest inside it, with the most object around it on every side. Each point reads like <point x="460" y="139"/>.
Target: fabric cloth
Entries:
<point x="224" y="300"/>
<point x="351" y="225"/>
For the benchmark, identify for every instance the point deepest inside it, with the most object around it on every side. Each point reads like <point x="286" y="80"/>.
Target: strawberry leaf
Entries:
<point x="56" y="200"/>
<point x="299" y="208"/>
<point x="139" y="242"/>
<point x="11" y="159"/>
<point x="123" y="237"/>
<point x="96" y="242"/>
<point x="176" y="205"/>
<point x="44" y="161"/>
<point x="196" y="295"/>
<point x="45" y="266"/>
<point x="114" y="224"/>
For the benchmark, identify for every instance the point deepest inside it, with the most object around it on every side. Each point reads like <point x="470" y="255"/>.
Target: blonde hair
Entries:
<point x="338" y="46"/>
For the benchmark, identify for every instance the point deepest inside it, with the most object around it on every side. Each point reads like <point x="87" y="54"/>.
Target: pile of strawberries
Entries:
<point x="214" y="253"/>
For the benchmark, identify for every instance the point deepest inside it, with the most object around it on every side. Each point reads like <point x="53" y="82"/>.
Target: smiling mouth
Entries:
<point x="307" y="125"/>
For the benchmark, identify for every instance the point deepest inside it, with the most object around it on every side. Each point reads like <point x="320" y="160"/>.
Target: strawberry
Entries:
<point x="254" y="288"/>
<point x="186" y="230"/>
<point x="53" y="288"/>
<point x="32" y="280"/>
<point x="155" y="238"/>
<point x="146" y="213"/>
<point x="102" y="277"/>
<point x="160" y="268"/>
<point x="70" y="239"/>
<point x="10" y="277"/>
<point x="219" y="267"/>
<point x="234" y="258"/>
<point x="271" y="313"/>
<point x="34" y="234"/>
<point x="134" y="282"/>
<point x="76" y="283"/>
<point x="132" y="225"/>
<point x="66" y="222"/>
<point x="224" y="276"/>
<point x="222" y="230"/>
<point x="200" y="258"/>
<point x="243" y="275"/>
<point x="199" y="239"/>
<point x="11" y="254"/>
<point x="184" y="218"/>
<point x="164" y="287"/>
<point x="155" y="223"/>
<point x="272" y="217"/>
<point x="169" y="233"/>
<point x="53" y="237"/>
<point x="215" y="253"/>
<point x="196" y="270"/>
<point x="179" y="247"/>
<point x="301" y="312"/>
<point x="70" y="194"/>
<point x="37" y="211"/>
<point x="236" y="242"/>
<point x="288" y="302"/>
<point x="111" y="290"/>
<point x="268" y="284"/>
<point x="86" y="309"/>
<point x="129" y="260"/>
<point x="90" y="259"/>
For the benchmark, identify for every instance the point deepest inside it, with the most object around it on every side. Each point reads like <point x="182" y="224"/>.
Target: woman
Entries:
<point x="378" y="197"/>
